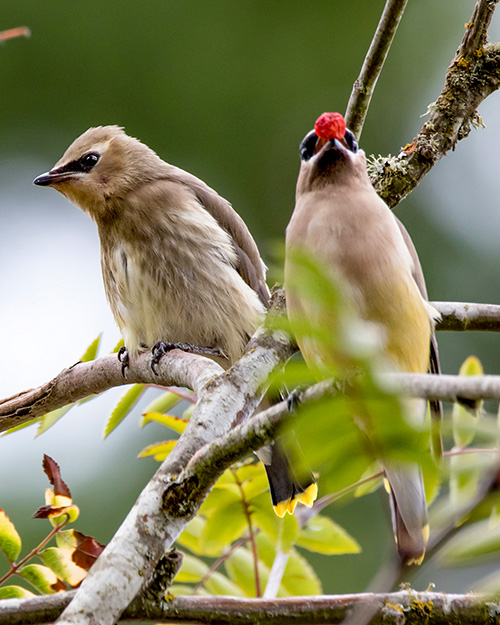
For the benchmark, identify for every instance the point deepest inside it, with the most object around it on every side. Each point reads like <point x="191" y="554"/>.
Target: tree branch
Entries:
<point x="364" y="86"/>
<point x="473" y="75"/>
<point x="181" y="369"/>
<point x="429" y="608"/>
<point x="459" y="316"/>
<point x="176" y="491"/>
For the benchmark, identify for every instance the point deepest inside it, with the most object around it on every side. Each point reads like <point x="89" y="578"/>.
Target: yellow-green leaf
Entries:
<point x="192" y="569"/>
<point x="223" y="526"/>
<point x="299" y="577"/>
<point x="323" y="535"/>
<point x="464" y="419"/>
<point x="59" y="561"/>
<point x="165" y="402"/>
<point x="159" y="450"/>
<point x="51" y="418"/>
<point x="170" y="421"/>
<point x="91" y="351"/>
<point x="240" y="569"/>
<point x="123" y="407"/>
<point x="190" y="537"/>
<point x="42" y="578"/>
<point x="15" y="592"/>
<point x="218" y="584"/>
<point x="10" y="541"/>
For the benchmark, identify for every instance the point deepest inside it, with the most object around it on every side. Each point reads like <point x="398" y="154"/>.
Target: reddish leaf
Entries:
<point x="47" y="512"/>
<point x="87" y="550"/>
<point x="53" y="472"/>
<point x="58" y="586"/>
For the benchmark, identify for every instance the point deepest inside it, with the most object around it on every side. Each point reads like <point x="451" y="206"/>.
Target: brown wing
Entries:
<point x="418" y="276"/>
<point x="250" y="265"/>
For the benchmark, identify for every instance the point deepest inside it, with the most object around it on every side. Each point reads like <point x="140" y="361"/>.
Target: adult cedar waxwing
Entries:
<point x="340" y="220"/>
<point x="179" y="264"/>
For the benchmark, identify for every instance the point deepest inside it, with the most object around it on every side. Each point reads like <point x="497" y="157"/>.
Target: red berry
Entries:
<point x="330" y="126"/>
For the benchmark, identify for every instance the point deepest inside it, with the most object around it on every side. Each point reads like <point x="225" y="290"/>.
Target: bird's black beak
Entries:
<point x="51" y="177"/>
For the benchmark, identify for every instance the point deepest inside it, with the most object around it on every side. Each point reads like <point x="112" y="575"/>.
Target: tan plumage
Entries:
<point x="341" y="221"/>
<point x="179" y="264"/>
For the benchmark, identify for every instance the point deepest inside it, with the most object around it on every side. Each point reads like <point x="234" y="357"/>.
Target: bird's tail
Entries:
<point x="405" y="486"/>
<point x="287" y="488"/>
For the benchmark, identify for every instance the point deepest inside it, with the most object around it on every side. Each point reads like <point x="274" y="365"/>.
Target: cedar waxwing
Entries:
<point x="179" y="264"/>
<point x="340" y="220"/>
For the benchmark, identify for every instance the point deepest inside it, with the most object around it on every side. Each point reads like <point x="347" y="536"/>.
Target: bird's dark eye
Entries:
<point x="307" y="146"/>
<point x="88" y="161"/>
<point x="351" y="141"/>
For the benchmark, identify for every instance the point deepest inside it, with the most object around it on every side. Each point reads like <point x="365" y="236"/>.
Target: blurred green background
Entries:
<point x="225" y="90"/>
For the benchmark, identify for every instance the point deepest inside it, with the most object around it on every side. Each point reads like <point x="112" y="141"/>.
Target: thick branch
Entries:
<point x="175" y="493"/>
<point x="180" y="369"/>
<point x="90" y="378"/>
<point x="364" y="86"/>
<point x="408" y="606"/>
<point x="473" y="75"/>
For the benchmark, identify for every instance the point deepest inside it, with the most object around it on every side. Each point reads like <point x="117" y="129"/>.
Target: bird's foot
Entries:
<point x="162" y="347"/>
<point x="124" y="358"/>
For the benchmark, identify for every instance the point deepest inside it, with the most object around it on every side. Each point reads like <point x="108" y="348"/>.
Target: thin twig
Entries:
<point x="251" y="532"/>
<point x="14" y="33"/>
<point x="220" y="561"/>
<point x="363" y="88"/>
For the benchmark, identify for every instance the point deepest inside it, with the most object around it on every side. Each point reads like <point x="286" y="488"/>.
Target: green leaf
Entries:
<point x="59" y="561"/>
<point x="91" y="351"/>
<point x="223" y="526"/>
<point x="192" y="569"/>
<point x="299" y="577"/>
<point x="264" y="517"/>
<point x="118" y="346"/>
<point x="179" y="590"/>
<point x="42" y="578"/>
<point x="472" y="543"/>
<point x="10" y="541"/>
<point x="51" y="418"/>
<point x="15" y="592"/>
<point x="465" y="419"/>
<point x="323" y="535"/>
<point x="123" y="407"/>
<point x="190" y="537"/>
<point x="240" y="569"/>
<point x="371" y="485"/>
<point x="220" y="496"/>
<point x="253" y="479"/>
<point x="218" y="584"/>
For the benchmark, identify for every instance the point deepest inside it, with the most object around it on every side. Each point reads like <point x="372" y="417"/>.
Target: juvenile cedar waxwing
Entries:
<point x="179" y="264"/>
<point x="340" y="220"/>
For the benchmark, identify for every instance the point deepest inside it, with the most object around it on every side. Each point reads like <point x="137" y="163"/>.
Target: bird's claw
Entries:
<point x="124" y="358"/>
<point x="163" y="347"/>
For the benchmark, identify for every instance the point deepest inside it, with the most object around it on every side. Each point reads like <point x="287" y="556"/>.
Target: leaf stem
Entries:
<point x="34" y="552"/>
<point x="251" y="532"/>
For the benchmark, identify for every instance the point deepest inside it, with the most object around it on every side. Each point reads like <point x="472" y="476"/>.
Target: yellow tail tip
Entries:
<point x="307" y="497"/>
